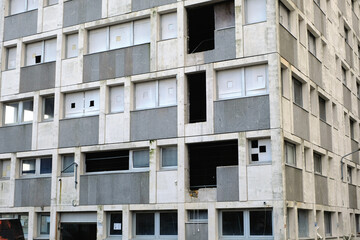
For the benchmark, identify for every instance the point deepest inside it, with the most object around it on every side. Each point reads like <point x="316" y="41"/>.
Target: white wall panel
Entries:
<point x="167" y="92"/>
<point x="145" y="95"/>
<point x="98" y="40"/>
<point x="33" y="50"/>
<point x="74" y="104"/>
<point x="142" y="31"/>
<point x="168" y="26"/>
<point x="255" y="11"/>
<point x="50" y="50"/>
<point x="121" y="35"/>
<point x="256" y="80"/>
<point x="91" y="102"/>
<point x="72" y="45"/>
<point x="229" y="83"/>
<point x="117" y="99"/>
<point x="11" y="58"/>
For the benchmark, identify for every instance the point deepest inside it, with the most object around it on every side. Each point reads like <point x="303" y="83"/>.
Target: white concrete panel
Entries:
<point x="255" y="39"/>
<point x="116" y="7"/>
<point x="115" y="130"/>
<point x="117" y="99"/>
<point x="92" y="102"/>
<point x="145" y="95"/>
<point x="17" y="6"/>
<point x="50" y="50"/>
<point x="10" y="81"/>
<point x="121" y="35"/>
<point x="5" y="193"/>
<point x="167" y="92"/>
<point x="259" y="182"/>
<point x="332" y="189"/>
<point x="167" y="57"/>
<point x="286" y="112"/>
<point x="70" y="72"/>
<point x="166" y="191"/>
<point x="98" y="40"/>
<point x="33" y="50"/>
<point x="74" y="104"/>
<point x="229" y="83"/>
<point x="44" y="139"/>
<point x="303" y="54"/>
<point x="142" y="31"/>
<point x="168" y="26"/>
<point x="72" y="45"/>
<point x="66" y="193"/>
<point x="308" y="180"/>
<point x="52" y="17"/>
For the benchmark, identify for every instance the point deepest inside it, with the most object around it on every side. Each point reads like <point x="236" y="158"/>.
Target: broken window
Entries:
<point x="48" y="108"/>
<point x="18" y="112"/>
<point x="284" y="17"/>
<point x="297" y="90"/>
<point x="232" y="223"/>
<point x="303" y="223"/>
<point x="261" y="223"/>
<point x="107" y="161"/>
<point x="204" y="158"/>
<point x="169" y="157"/>
<point x="41" y="52"/>
<point x="67" y="162"/>
<point x="260" y="150"/>
<point x="18" y="6"/>
<point x="290" y="153"/>
<point x="311" y="43"/>
<point x="255" y="11"/>
<point x="72" y="45"/>
<point x="168" y="26"/>
<point x="115" y="226"/>
<point x="156" y="224"/>
<point x="119" y="36"/>
<point x="11" y="58"/>
<point x="82" y="104"/>
<point x="36" y="166"/>
<point x="322" y="108"/>
<point x="23" y="217"/>
<point x="197" y="97"/>
<point x="5" y="168"/>
<point x="328" y="223"/>
<point x="317" y="163"/>
<point x="117" y="99"/>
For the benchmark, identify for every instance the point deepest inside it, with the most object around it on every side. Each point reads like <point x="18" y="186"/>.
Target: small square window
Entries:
<point x="168" y="157"/>
<point x="140" y="159"/>
<point x="48" y="108"/>
<point x="68" y="163"/>
<point x="260" y="150"/>
<point x="115" y="224"/>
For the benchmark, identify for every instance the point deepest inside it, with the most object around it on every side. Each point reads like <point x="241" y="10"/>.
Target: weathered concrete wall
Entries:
<point x="321" y="190"/>
<point x="288" y="46"/>
<point x="81" y="11"/>
<point x="320" y="19"/>
<point x="32" y="192"/>
<point x="354" y="147"/>
<point x="347" y="97"/>
<point x="294" y="184"/>
<point x="315" y="70"/>
<point x="227" y="183"/>
<point x="325" y="135"/>
<point x="20" y="25"/>
<point x="15" y="138"/>
<point x="37" y="77"/>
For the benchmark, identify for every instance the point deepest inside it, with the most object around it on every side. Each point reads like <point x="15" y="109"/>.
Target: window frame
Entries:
<point x="172" y="167"/>
<point x="8" y="50"/>
<point x="67" y="47"/>
<point x="108" y="228"/>
<point x="131" y="159"/>
<point x="37" y="173"/>
<point x="44" y="98"/>
<point x="63" y="166"/>
<point x="110" y="99"/>
<point x="167" y="15"/>
<point x="43" y="52"/>
<point x="19" y="113"/>
<point x="84" y="110"/>
<point x="304" y="211"/>
<point x="349" y="174"/>
<point x="322" y="108"/>
<point x="246" y="14"/>
<point x="328" y="224"/>
<point x="26" y="8"/>
<point x="312" y="43"/>
<point x="288" y="16"/>
<point x="39" y="233"/>
<point x="2" y="177"/>
<point x="299" y="84"/>
<point x="286" y="145"/>
<point x="317" y="158"/>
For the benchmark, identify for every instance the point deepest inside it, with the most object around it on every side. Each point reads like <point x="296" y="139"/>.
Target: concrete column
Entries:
<point x="239" y="28"/>
<point x="154" y="18"/>
<point x="182" y="218"/>
<point x="153" y="151"/>
<point x="102" y="117"/>
<point x="181" y="22"/>
<point x="212" y="222"/>
<point x="242" y="148"/>
<point x="126" y="230"/>
<point x="36" y="115"/>
<point x="101" y="223"/>
<point x="182" y="170"/>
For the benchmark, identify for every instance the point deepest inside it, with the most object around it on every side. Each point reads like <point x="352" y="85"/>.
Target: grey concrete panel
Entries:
<point x="355" y="156"/>
<point x="79" y="131"/>
<point x="15" y="138"/>
<point x="355" y="23"/>
<point x="315" y="70"/>
<point x="342" y="6"/>
<point x="81" y="11"/>
<point x="347" y="97"/>
<point x="352" y="196"/>
<point x="224" y="46"/>
<point x="114" y="188"/>
<point x="294" y="184"/>
<point x="227" y="183"/>
<point x="320" y="19"/>
<point x="117" y="63"/>
<point x="349" y="55"/>
<point x="242" y="114"/>
<point x="20" y="25"/>
<point x="321" y="190"/>
<point x="196" y="231"/>
<point x="288" y="46"/>
<point x="301" y="122"/>
<point x="37" y="77"/>
<point x="325" y="135"/>
<point x="34" y="192"/>
<point x="159" y="123"/>
<point x="138" y="5"/>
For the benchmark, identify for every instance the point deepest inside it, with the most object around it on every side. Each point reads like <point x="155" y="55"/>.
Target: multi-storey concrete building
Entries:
<point x="172" y="119"/>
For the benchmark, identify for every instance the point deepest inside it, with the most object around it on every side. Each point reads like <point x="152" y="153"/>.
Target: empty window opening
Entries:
<point x="260" y="150"/>
<point x="357" y="89"/>
<point x="322" y="109"/>
<point x="197" y="97"/>
<point x="204" y="158"/>
<point x="297" y="89"/>
<point x="107" y="161"/>
<point x="232" y="223"/>
<point x="352" y="128"/>
<point x="328" y="223"/>
<point x="343" y="75"/>
<point x="346" y="35"/>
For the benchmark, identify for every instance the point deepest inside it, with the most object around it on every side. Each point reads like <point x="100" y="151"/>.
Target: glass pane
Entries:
<point x="28" y="166"/>
<point x="32" y="4"/>
<point x="229" y="83"/>
<point x="167" y="92"/>
<point x="117" y="99"/>
<point x="260" y="223"/>
<point x="141" y="159"/>
<point x="50" y="50"/>
<point x="11" y="58"/>
<point x="67" y="161"/>
<point x="232" y="223"/>
<point x="17" y="6"/>
<point x="196" y="215"/>
<point x="145" y="224"/>
<point x="24" y="220"/>
<point x="116" y="224"/>
<point x="297" y="92"/>
<point x="45" y="225"/>
<point x="45" y="165"/>
<point x="142" y="31"/>
<point x="98" y="40"/>
<point x="255" y="11"/>
<point x="11" y="113"/>
<point x="168" y="26"/>
<point x="327" y="222"/>
<point x="48" y="108"/>
<point x="145" y="95"/>
<point x="52" y="2"/>
<point x="27" y="111"/>
<point x="34" y="53"/>
<point x="303" y="223"/>
<point x="290" y="154"/>
<point x="168" y="224"/>
<point x="5" y="171"/>
<point x="322" y="109"/>
<point x="121" y="35"/>
<point x="71" y="45"/>
<point x="169" y="156"/>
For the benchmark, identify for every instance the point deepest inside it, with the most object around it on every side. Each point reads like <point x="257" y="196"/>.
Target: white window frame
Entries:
<point x="131" y="160"/>
<point x="161" y="158"/>
<point x="2" y="168"/>
<point x="43" y="52"/>
<point x="18" y="114"/>
<point x="37" y="173"/>
<point x="197" y="212"/>
<point x="63" y="167"/>
<point x="311" y="43"/>
<point x="315" y="154"/>
<point x="111" y="110"/>
<point x="39" y="235"/>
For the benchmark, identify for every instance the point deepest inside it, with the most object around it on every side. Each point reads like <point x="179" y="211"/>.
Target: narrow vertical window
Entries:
<point x="317" y="163"/>
<point x="11" y="58"/>
<point x="117" y="99"/>
<point x="48" y="108"/>
<point x="72" y="45"/>
<point x="311" y="43"/>
<point x="322" y="109"/>
<point x="290" y="153"/>
<point x="197" y="97"/>
<point x="297" y="90"/>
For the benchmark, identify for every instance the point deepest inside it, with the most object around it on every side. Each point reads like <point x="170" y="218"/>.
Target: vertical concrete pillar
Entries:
<point x="242" y="148"/>
<point x="101" y="228"/>
<point x="153" y="172"/>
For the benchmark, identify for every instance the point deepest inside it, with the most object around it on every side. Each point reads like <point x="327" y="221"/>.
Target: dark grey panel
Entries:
<point x="320" y="19"/>
<point x="315" y="70"/>
<point x="81" y="11"/>
<point x="153" y="124"/>
<point x="196" y="231"/>
<point x="138" y="5"/>
<point x="242" y="114"/>
<point x="224" y="46"/>
<point x="117" y="63"/>
<point x="325" y="135"/>
<point x="114" y="188"/>
<point x="355" y="23"/>
<point x="288" y="46"/>
<point x="15" y="138"/>
<point x="32" y="192"/>
<point x="227" y="183"/>
<point x="352" y="196"/>
<point x="347" y="97"/>
<point x="321" y="190"/>
<point x="79" y="131"/>
<point x="20" y="25"/>
<point x="301" y="122"/>
<point x="354" y="156"/>
<point x="37" y="77"/>
<point x="294" y="184"/>
<point x="349" y="55"/>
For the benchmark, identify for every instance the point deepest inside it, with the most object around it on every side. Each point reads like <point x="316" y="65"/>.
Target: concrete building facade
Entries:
<point x="180" y="119"/>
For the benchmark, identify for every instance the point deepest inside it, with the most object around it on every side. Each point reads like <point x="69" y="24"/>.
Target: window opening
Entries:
<point x="197" y="97"/>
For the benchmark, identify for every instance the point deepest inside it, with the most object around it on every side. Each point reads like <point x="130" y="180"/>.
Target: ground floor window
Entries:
<point x="155" y="224"/>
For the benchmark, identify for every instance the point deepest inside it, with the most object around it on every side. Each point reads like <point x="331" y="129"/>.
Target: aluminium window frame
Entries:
<point x="19" y="114"/>
<point x="43" y="52"/>
<point x="39" y="216"/>
<point x="161" y="158"/>
<point x="26" y="8"/>
<point x="318" y="157"/>
<point x="37" y="173"/>
<point x="299" y="84"/>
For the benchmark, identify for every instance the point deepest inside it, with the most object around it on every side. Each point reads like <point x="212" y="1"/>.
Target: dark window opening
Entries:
<point x="255" y="157"/>
<point x="260" y="223"/>
<point x="168" y="223"/>
<point x="197" y="97"/>
<point x="107" y="161"/>
<point x="116" y="224"/>
<point x="352" y="128"/>
<point x="204" y="158"/>
<point x="322" y="109"/>
<point x="72" y="105"/>
<point x="38" y="59"/>
<point x="262" y="149"/>
<point x="92" y="103"/>
<point x="232" y="223"/>
<point x="75" y="231"/>
<point x="145" y="224"/>
<point x="45" y="165"/>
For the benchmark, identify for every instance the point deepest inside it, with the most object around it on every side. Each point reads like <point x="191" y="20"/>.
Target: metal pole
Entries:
<point x="342" y="163"/>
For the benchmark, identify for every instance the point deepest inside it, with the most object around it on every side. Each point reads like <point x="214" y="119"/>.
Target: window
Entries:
<point x="297" y="90"/>
<point x="311" y="43"/>
<point x="352" y="128"/>
<point x="343" y="75"/>
<point x="41" y="52"/>
<point x="119" y="36"/>
<point x="115" y="227"/>
<point x="242" y="82"/>
<point x="18" y="112"/>
<point x="117" y="99"/>
<point x="18" y="6"/>
<point x="11" y="58"/>
<point x="52" y="2"/>
<point x="346" y="35"/>
<point x="140" y="159"/>
<point x="5" y="166"/>
<point x="24" y="220"/>
<point x="44" y="224"/>
<point x="232" y="223"/>
<point x="197" y="215"/>
<point x="158" y="224"/>
<point x="357" y="222"/>
<point x="303" y="223"/>
<point x="358" y="89"/>
<point x="260" y="150"/>
<point x="155" y="94"/>
<point x="284" y="17"/>
<point x="197" y="97"/>
<point x="72" y="45"/>
<point x="168" y="157"/>
<point x="349" y="174"/>
<point x="67" y="163"/>
<point x="36" y="166"/>
<point x="290" y="153"/>
<point x="327" y="223"/>
<point x="260" y="223"/>
<point x="317" y="163"/>
<point x="255" y="11"/>
<point x="82" y="104"/>
<point x="168" y="26"/>
<point x="48" y="108"/>
<point x="322" y="109"/>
